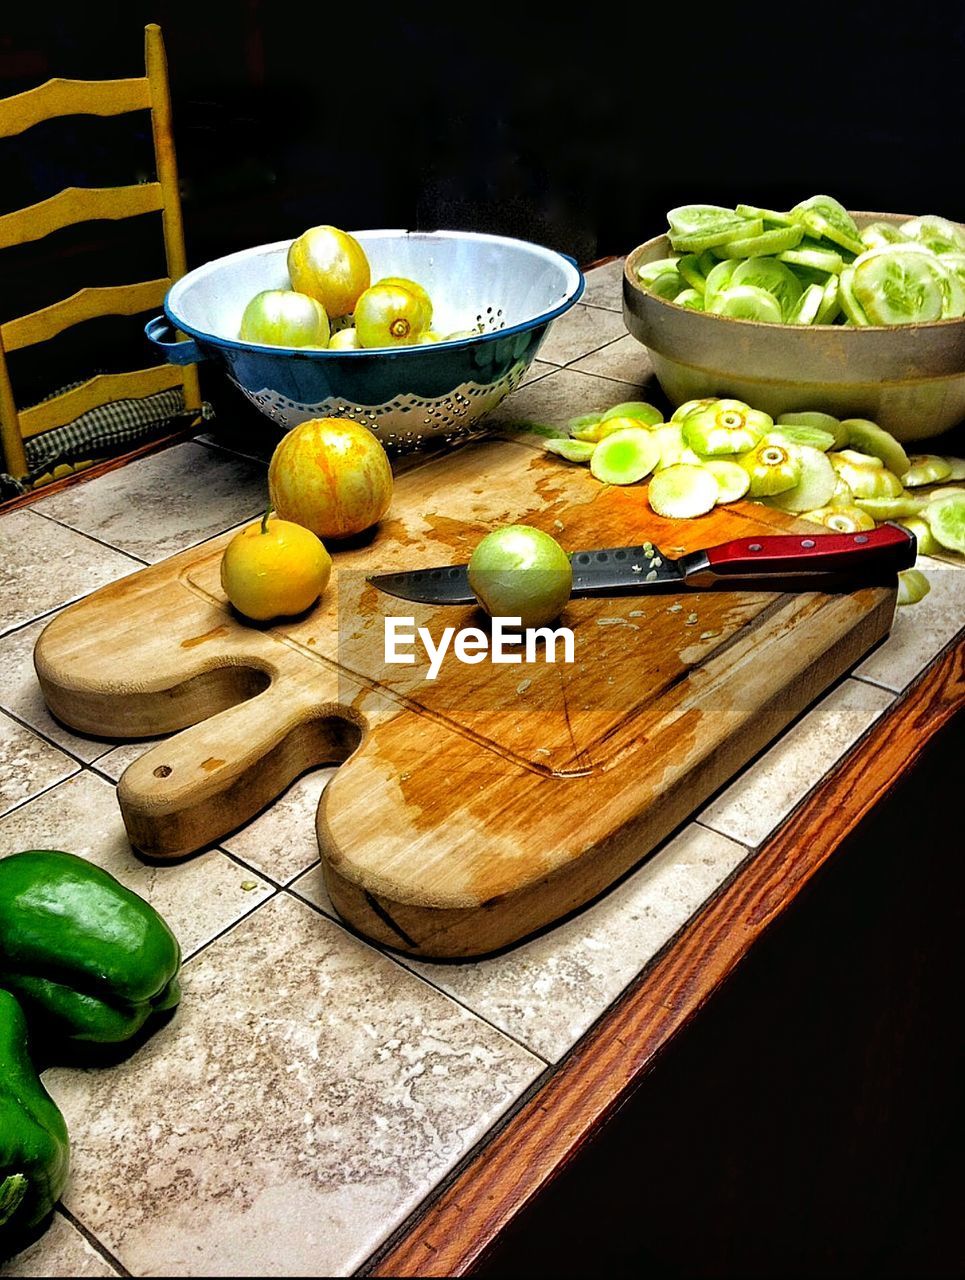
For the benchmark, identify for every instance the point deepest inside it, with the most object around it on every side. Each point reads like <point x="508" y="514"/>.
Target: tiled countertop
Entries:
<point x="312" y="1091"/>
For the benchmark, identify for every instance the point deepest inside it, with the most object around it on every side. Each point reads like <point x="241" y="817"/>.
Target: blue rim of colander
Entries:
<point x="317" y="353"/>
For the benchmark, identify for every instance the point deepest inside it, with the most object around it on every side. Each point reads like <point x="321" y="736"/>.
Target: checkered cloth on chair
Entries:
<point x="103" y="432"/>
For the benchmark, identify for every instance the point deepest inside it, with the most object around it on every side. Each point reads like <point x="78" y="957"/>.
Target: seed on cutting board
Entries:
<point x="675" y="608"/>
<point x="708" y="635"/>
<point x="523" y="686"/>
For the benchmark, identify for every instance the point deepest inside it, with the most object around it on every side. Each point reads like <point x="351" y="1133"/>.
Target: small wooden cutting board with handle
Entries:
<point x="474" y="808"/>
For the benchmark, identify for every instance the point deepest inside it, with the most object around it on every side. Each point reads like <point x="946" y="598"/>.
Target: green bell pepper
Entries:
<point x="87" y="958"/>
<point x="34" y="1148"/>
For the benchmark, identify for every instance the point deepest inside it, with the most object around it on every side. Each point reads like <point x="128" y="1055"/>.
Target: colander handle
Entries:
<point x="161" y="332"/>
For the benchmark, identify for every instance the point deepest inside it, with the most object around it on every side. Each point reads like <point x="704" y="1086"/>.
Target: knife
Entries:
<point x="769" y="562"/>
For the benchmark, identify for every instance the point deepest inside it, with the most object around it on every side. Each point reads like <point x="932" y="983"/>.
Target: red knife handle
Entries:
<point x="886" y="550"/>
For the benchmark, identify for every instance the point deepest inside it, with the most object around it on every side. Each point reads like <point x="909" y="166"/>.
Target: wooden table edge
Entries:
<point x="454" y="1231"/>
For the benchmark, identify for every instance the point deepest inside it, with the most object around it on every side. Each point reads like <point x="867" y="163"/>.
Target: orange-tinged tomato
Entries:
<point x="273" y="569"/>
<point x="332" y="476"/>
<point x="331" y="266"/>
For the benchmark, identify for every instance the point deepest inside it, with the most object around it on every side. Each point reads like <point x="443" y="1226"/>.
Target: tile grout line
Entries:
<point x="92" y="1240"/>
<point x="45" y="736"/>
<point x="109" y="546"/>
<point x="388" y="955"/>
<point x="595" y="351"/>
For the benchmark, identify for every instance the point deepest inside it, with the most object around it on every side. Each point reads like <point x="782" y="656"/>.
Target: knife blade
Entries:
<point x="770" y="562"/>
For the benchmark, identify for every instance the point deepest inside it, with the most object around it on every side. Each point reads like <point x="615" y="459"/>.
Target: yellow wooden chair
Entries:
<point x="82" y="204"/>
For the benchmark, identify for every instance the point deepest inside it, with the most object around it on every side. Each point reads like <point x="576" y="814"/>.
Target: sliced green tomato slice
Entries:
<point x="896" y="287"/>
<point x="670" y="441"/>
<point x="952" y="287"/>
<point x="773" y="467"/>
<point x="702" y="241"/>
<point x="647" y="272"/>
<point x="830" y="307"/>
<point x="682" y="491"/>
<point x="955" y="263"/>
<point x="867" y="437"/>
<point x="719" y="279"/>
<point x="878" y="233"/>
<point x="773" y="277"/>
<point x="940" y="235"/>
<point x="815" y="486"/>
<point x="746" y="302"/>
<point x="725" y="427"/>
<point x="810" y="254"/>
<point x="814" y="437"/>
<point x="639" y="409"/>
<point x="947" y="522"/>
<point x="925" y="468"/>
<point x="698" y="219"/>
<point x="572" y="450"/>
<point x="956" y="468"/>
<point x="821" y="421"/>
<point x="912" y="586"/>
<point x="667" y="285"/>
<point x="732" y="480"/>
<point x="826" y="217"/>
<point x="625" y="457"/>
<point x="689" y="268"/>
<point x="688" y="407"/>
<point x="691" y="299"/>
<point x="841" y="519"/>
<point x="867" y="477"/>
<point x="808" y="305"/>
<point x="767" y="215"/>
<point x="576" y="426"/>
<point x="900" y="507"/>
<point x="849" y="303"/>
<point x="778" y="240"/>
<point x="696" y="227"/>
<point x="927" y="546"/>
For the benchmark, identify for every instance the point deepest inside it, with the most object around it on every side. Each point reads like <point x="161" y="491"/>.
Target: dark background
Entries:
<point x="577" y="133"/>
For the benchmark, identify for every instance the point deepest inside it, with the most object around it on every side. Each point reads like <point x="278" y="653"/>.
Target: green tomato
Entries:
<point x="521" y="572"/>
<point x="387" y="315"/>
<point x="331" y="266"/>
<point x="283" y="318"/>
<point x="419" y="293"/>
<point x="344" y="340"/>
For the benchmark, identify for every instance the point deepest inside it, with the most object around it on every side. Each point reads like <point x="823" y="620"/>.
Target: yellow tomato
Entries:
<point x="332" y="476"/>
<point x="273" y="569"/>
<point x="331" y="266"/>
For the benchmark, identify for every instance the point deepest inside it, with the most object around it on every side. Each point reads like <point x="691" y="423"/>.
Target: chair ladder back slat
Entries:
<point x="95" y="392"/>
<point x="78" y="204"/>
<point x="85" y="304"/>
<point x="72" y="98"/>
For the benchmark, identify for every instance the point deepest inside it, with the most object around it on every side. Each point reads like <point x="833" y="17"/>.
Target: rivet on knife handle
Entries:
<point x="887" y="548"/>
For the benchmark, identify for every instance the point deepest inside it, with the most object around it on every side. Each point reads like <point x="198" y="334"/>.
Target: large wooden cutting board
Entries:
<point x="475" y="808"/>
